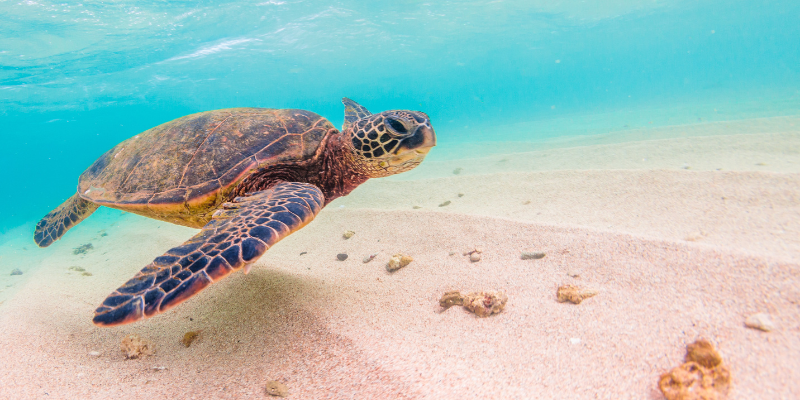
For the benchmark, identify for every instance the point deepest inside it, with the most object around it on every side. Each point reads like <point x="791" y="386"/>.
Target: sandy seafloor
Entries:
<point x="684" y="234"/>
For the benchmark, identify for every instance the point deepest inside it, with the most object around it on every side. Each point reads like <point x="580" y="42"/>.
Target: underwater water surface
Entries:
<point x="77" y="78"/>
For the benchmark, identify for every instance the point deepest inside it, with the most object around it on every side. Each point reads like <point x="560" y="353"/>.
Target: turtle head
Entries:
<point x="387" y="143"/>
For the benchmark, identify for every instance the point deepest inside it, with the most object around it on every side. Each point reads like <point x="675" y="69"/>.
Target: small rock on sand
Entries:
<point x="398" y="261"/>
<point x="530" y="255"/>
<point x="16" y="271"/>
<point x="277" y="389"/>
<point x="341" y="256"/>
<point x="703" y="375"/>
<point x="760" y="321"/>
<point x="348" y="234"/>
<point x="484" y="304"/>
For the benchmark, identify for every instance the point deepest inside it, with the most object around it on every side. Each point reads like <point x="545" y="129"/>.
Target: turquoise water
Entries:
<point x="75" y="79"/>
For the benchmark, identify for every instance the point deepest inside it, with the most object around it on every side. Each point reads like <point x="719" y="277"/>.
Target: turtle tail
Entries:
<point x="58" y="221"/>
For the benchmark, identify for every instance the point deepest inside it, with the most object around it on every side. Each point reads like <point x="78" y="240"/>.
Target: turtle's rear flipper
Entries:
<point x="58" y="221"/>
<point x="235" y="237"/>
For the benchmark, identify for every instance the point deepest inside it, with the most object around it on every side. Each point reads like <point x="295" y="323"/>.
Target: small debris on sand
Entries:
<point x="529" y="255"/>
<point x="461" y="195"/>
<point x="398" y="261"/>
<point x="76" y="268"/>
<point x="574" y="271"/>
<point x="483" y="304"/>
<point x="94" y="353"/>
<point x="760" y="321"/>
<point x="446" y="203"/>
<point x="451" y="298"/>
<point x="86" y="273"/>
<point x="134" y="346"/>
<point x="16" y="271"/>
<point x="82" y="249"/>
<point x="190" y="337"/>
<point x="341" y="256"/>
<point x="457" y="171"/>
<point x="526" y="202"/>
<point x="474" y="255"/>
<point x="370" y="257"/>
<point x="277" y="389"/>
<point x="573" y="294"/>
<point x="702" y="376"/>
<point x="416" y="207"/>
<point x="348" y="234"/>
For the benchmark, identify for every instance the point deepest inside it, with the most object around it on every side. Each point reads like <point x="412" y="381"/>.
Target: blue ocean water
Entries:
<point x="77" y="78"/>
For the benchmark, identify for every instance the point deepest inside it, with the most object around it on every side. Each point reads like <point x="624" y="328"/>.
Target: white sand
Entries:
<point x="331" y="329"/>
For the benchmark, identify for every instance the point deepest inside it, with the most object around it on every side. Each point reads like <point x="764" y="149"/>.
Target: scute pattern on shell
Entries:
<point x="198" y="155"/>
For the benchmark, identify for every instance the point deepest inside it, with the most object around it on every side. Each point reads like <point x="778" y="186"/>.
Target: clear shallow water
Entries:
<point x="75" y="79"/>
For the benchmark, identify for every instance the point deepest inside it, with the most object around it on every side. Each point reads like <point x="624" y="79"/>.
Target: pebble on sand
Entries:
<point x="16" y="271"/>
<point x="702" y="375"/>
<point x="94" y="353"/>
<point x="341" y="256"/>
<point x="370" y="257"/>
<point x="529" y="255"/>
<point x="474" y="255"/>
<point x="277" y="389"/>
<point x="398" y="261"/>
<point x="446" y="203"/>
<point x="348" y="234"/>
<point x="760" y="321"/>
<point x="190" y="337"/>
<point x="134" y="346"/>
<point x="573" y="294"/>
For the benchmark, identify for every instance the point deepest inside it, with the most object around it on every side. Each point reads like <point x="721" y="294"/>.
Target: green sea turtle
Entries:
<point x="247" y="177"/>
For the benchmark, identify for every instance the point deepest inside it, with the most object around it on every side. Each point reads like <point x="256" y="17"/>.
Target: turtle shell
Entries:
<point x="184" y="169"/>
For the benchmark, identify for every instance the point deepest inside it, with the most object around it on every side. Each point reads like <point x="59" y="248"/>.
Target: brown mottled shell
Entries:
<point x="182" y="170"/>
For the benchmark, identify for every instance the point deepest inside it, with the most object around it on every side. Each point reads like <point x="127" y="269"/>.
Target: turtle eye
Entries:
<point x="396" y="125"/>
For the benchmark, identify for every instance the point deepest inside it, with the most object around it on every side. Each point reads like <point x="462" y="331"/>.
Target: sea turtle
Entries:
<point x="247" y="177"/>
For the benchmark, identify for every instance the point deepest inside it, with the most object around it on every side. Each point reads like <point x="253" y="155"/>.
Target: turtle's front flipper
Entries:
<point x="235" y="237"/>
<point x="58" y="221"/>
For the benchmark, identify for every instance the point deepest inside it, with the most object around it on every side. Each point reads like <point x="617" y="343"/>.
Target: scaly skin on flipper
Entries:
<point x="237" y="236"/>
<point x="58" y="221"/>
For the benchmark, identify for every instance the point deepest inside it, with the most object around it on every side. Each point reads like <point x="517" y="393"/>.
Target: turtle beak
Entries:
<point x="420" y="142"/>
<point x="413" y="149"/>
